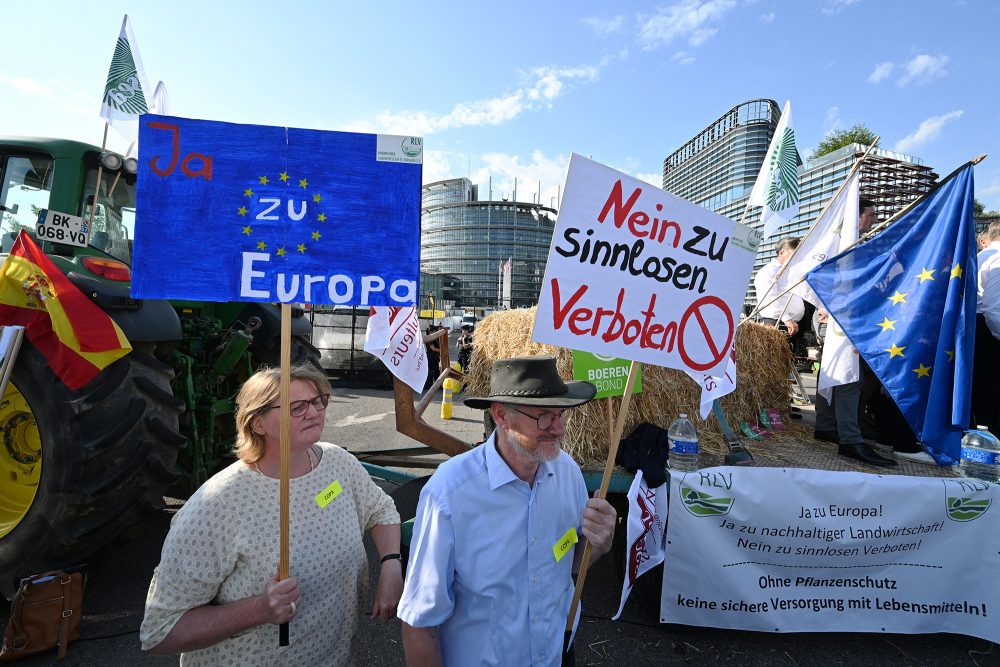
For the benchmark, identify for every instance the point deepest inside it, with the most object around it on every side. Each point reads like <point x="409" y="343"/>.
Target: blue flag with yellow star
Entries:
<point x="907" y="301"/>
<point x="228" y="212"/>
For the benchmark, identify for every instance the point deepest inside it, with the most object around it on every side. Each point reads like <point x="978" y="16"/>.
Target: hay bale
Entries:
<point x="764" y="363"/>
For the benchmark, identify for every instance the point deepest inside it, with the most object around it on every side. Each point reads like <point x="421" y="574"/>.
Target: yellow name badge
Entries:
<point x="328" y="494"/>
<point x="565" y="543"/>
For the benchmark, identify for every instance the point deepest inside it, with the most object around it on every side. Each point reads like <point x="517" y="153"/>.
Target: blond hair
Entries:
<point x="256" y="395"/>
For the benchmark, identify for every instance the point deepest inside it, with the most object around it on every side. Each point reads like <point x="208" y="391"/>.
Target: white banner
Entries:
<point x="713" y="387"/>
<point x="637" y="273"/>
<point x="797" y="550"/>
<point x="647" y="521"/>
<point x="393" y="335"/>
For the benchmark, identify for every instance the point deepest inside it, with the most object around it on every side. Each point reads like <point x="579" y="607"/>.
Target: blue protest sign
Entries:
<point x="228" y="212"/>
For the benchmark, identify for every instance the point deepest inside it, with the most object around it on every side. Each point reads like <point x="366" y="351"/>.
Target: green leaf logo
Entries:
<point x="703" y="504"/>
<point x="123" y="92"/>
<point x="967" y="509"/>
<point x="783" y="189"/>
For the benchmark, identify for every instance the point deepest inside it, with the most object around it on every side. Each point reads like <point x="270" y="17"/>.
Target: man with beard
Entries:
<point x="489" y="580"/>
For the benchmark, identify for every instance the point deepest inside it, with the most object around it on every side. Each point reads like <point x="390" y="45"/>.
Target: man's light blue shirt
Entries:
<point x="482" y="568"/>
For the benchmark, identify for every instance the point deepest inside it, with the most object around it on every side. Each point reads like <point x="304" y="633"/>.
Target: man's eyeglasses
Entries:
<point x="545" y="420"/>
<point x="299" y="408"/>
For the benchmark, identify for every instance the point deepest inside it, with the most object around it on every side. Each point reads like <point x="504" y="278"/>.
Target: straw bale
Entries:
<point x="764" y="363"/>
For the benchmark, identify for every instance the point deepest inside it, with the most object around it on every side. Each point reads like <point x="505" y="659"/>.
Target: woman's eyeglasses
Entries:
<point x="299" y="408"/>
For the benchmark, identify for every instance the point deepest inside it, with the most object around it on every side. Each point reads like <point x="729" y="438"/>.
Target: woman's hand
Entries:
<point x="281" y="600"/>
<point x="388" y="591"/>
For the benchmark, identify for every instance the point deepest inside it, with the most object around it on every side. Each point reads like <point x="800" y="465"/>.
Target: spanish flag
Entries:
<point x="76" y="337"/>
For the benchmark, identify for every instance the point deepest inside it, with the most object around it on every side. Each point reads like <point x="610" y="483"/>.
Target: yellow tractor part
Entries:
<point x="20" y="459"/>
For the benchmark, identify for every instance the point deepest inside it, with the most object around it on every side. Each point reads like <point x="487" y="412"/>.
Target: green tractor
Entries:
<point x="78" y="469"/>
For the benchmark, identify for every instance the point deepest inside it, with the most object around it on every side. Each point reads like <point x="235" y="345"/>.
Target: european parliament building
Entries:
<point x="717" y="169"/>
<point x="463" y="242"/>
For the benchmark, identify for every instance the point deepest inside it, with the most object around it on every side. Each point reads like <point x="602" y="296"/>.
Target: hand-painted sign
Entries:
<point x="230" y="212"/>
<point x="608" y="374"/>
<point x="637" y="273"/>
<point x="794" y="550"/>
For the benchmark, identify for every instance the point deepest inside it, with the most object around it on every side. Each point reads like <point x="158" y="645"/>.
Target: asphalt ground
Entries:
<point x="362" y="420"/>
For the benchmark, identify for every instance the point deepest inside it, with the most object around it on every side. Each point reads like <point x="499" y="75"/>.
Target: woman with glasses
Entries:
<point x="215" y="597"/>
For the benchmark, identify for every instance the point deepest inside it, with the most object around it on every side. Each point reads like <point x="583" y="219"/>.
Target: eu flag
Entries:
<point x="907" y="301"/>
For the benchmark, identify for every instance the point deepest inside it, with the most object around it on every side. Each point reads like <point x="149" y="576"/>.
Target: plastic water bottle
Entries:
<point x="981" y="455"/>
<point x="683" y="440"/>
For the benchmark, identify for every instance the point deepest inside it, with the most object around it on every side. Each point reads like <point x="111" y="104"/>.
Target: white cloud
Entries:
<point x="499" y="171"/>
<point x="544" y="85"/>
<point x="688" y="19"/>
<point x="881" y="71"/>
<point x="835" y="6"/>
<point x="70" y="99"/>
<point x="651" y="178"/>
<point x="928" y="130"/>
<point x="682" y="57"/>
<point x="767" y="18"/>
<point x="604" y="26"/>
<point x="504" y="168"/>
<point x="922" y="69"/>
<point x="831" y="120"/>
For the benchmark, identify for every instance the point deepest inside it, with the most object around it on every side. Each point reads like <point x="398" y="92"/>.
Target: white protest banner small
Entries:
<point x="713" y="387"/>
<point x="800" y="550"/>
<point x="638" y="273"/>
<point x="647" y="522"/>
<point x="403" y="353"/>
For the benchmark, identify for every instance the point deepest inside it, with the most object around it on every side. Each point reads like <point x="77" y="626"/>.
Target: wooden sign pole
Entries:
<point x="616" y="436"/>
<point x="285" y="439"/>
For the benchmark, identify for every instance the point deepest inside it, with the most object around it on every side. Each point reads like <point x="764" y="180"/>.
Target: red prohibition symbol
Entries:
<point x="699" y="310"/>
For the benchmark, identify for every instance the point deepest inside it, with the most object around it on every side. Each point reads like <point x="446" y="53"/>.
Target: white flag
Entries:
<point x="404" y="353"/>
<point x="713" y="387"/>
<point x="840" y="360"/>
<point x="777" y="186"/>
<point x="824" y="240"/>
<point x="160" y="104"/>
<point x="647" y="530"/>
<point x="377" y="330"/>
<point x="126" y="89"/>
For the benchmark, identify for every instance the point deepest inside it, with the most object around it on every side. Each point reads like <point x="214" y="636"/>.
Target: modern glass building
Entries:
<point x="718" y="167"/>
<point x="465" y="241"/>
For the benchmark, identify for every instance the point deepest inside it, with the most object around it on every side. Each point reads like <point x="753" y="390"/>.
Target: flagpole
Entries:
<point x="857" y="165"/>
<point x="100" y="170"/>
<point x="875" y="230"/>
<point x="284" y="434"/>
<point x="616" y="436"/>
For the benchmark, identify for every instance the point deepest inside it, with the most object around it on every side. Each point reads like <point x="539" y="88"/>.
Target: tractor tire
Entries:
<point x="78" y="469"/>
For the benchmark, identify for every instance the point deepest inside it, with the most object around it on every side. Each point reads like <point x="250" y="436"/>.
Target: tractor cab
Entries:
<point x="60" y="175"/>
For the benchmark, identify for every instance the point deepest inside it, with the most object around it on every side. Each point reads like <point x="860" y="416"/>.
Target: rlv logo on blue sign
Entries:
<point x="229" y="212"/>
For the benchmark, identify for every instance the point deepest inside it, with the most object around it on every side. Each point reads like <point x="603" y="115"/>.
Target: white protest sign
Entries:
<point x="637" y="273"/>
<point x="62" y="228"/>
<point x="796" y="550"/>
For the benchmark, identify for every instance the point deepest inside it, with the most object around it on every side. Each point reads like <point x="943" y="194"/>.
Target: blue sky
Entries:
<point x="507" y="90"/>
